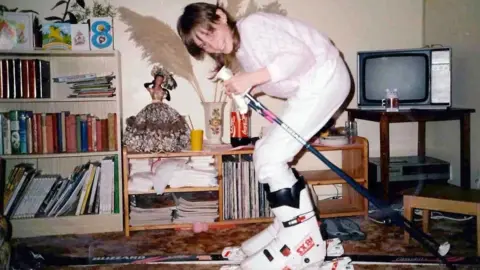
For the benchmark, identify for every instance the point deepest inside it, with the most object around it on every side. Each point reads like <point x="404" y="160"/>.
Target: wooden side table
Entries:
<point x="443" y="198"/>
<point x="420" y="116"/>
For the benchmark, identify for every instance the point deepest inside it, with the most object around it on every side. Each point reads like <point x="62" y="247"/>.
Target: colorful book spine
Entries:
<point x="22" y="131"/>
<point x="15" y="132"/>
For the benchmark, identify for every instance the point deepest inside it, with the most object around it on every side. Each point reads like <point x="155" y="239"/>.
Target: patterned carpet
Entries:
<point x="381" y="239"/>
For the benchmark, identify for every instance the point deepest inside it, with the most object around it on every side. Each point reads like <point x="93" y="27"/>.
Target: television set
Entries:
<point x="422" y="77"/>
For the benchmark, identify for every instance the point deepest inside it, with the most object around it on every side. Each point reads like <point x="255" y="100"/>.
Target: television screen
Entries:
<point x="408" y="73"/>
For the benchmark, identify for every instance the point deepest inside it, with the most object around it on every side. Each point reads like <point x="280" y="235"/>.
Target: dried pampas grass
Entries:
<point x="233" y="7"/>
<point x="160" y="44"/>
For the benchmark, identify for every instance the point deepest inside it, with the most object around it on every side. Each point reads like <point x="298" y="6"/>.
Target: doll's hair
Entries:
<point x="204" y="15"/>
<point x="169" y="83"/>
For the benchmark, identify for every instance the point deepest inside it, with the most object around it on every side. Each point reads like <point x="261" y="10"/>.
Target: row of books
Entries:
<point x="24" y="78"/>
<point x="173" y="208"/>
<point x="26" y="132"/>
<point x="243" y="196"/>
<point x="92" y="188"/>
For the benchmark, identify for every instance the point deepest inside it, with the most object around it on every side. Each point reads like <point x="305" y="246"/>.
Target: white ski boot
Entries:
<point x="254" y="244"/>
<point x="260" y="240"/>
<point x="342" y="263"/>
<point x="237" y="253"/>
<point x="298" y="243"/>
<point x="334" y="247"/>
<point x="295" y="239"/>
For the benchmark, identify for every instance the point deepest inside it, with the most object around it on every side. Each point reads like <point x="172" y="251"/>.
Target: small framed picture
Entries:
<point x="23" y="25"/>
<point x="56" y="36"/>
<point x="80" y="37"/>
<point x="101" y="33"/>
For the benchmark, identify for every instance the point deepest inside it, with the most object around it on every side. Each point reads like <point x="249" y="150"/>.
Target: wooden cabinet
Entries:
<point x="354" y="162"/>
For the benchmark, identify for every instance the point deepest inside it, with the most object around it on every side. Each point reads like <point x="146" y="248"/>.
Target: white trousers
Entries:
<point x="321" y="92"/>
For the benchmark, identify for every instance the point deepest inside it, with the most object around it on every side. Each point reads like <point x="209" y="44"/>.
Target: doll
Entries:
<point x="162" y="83"/>
<point x="157" y="127"/>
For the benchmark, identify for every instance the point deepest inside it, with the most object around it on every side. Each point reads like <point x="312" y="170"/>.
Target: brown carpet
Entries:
<point x="381" y="239"/>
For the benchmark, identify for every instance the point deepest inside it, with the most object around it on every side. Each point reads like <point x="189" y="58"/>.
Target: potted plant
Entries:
<point x="98" y="10"/>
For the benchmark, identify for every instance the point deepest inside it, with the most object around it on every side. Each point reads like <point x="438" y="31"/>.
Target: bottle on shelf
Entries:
<point x="239" y="127"/>
<point x="351" y="130"/>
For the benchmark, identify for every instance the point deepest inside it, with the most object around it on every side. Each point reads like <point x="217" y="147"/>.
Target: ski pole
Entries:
<point x="396" y="218"/>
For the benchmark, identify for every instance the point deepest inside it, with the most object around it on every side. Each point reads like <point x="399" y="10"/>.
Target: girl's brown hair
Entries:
<point x="204" y="15"/>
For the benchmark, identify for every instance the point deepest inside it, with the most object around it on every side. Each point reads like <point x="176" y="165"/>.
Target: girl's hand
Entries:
<point x="239" y="83"/>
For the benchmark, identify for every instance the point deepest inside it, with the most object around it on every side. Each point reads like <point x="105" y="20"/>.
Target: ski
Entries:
<point x="220" y="260"/>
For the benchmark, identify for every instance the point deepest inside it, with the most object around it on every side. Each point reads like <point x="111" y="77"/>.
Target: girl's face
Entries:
<point x="216" y="40"/>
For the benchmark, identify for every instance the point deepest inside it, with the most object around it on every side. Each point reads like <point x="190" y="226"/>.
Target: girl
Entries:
<point x="288" y="59"/>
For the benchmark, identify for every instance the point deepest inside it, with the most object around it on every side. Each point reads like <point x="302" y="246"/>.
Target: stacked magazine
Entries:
<point x="89" y="85"/>
<point x="150" y="209"/>
<point x="195" y="211"/>
<point x="170" y="208"/>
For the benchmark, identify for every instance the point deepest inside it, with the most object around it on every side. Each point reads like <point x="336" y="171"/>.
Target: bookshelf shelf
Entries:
<point x="57" y="53"/>
<point x="32" y="227"/>
<point x="48" y="100"/>
<point x="63" y="136"/>
<point x="354" y="162"/>
<point x="60" y="155"/>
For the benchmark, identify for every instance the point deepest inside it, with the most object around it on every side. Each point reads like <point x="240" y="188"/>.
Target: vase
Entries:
<point x="214" y="121"/>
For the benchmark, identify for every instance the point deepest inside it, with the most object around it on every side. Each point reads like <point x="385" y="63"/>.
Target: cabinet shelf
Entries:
<point x="226" y="150"/>
<point x="326" y="177"/>
<point x="171" y="190"/>
<point x="189" y="225"/>
<point x="354" y="163"/>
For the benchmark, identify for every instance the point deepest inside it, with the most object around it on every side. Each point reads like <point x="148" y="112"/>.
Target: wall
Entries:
<point x="455" y="23"/>
<point x="353" y="25"/>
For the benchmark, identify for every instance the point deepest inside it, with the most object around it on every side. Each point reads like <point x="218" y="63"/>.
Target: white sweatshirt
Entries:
<point x="287" y="47"/>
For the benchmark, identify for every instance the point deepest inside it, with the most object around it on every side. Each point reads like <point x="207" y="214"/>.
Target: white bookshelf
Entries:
<point x="66" y="63"/>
